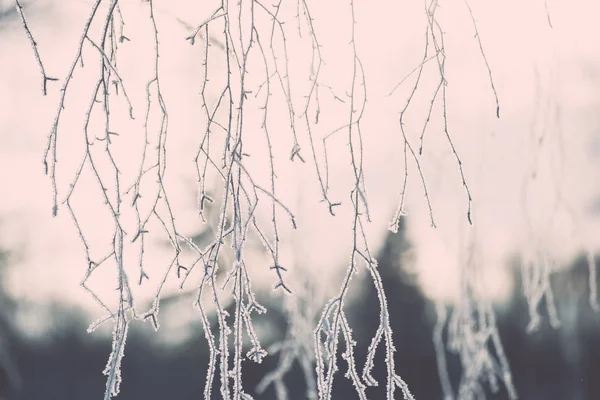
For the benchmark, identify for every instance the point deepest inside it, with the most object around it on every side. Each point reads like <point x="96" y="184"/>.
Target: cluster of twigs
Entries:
<point x="247" y="31"/>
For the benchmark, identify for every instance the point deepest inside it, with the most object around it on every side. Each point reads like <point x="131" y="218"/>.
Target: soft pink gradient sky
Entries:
<point x="547" y="81"/>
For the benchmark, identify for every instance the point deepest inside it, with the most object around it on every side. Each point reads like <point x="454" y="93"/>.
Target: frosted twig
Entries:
<point x="487" y="65"/>
<point x="45" y="78"/>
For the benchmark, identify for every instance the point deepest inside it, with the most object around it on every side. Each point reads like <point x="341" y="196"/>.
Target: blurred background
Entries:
<point x="66" y="363"/>
<point x="533" y="174"/>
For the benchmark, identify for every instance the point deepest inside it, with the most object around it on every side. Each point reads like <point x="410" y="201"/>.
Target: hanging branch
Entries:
<point x="487" y="65"/>
<point x="45" y="78"/>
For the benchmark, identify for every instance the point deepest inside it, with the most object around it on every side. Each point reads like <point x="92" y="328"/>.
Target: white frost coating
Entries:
<point x="113" y="367"/>
<point x="557" y="177"/>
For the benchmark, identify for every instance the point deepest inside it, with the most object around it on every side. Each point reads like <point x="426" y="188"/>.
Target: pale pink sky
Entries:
<point x="546" y="79"/>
